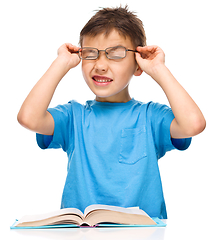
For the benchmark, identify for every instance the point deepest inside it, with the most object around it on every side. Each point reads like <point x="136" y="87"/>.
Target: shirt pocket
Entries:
<point x="132" y="145"/>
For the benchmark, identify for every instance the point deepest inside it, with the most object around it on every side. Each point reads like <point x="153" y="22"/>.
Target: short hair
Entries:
<point x="126" y="23"/>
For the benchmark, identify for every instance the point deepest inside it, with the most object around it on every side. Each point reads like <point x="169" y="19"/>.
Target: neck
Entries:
<point x="121" y="97"/>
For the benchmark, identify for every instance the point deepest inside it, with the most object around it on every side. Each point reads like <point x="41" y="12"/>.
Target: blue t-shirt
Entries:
<point x="113" y="151"/>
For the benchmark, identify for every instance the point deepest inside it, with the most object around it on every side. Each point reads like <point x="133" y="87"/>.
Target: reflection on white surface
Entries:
<point x="143" y="233"/>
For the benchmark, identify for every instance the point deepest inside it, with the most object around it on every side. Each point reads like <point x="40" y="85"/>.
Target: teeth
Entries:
<point x="102" y="80"/>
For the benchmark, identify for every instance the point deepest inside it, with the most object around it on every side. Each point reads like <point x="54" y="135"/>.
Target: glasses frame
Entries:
<point x="106" y="53"/>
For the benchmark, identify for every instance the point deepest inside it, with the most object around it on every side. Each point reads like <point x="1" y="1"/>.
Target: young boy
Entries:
<point x="114" y="142"/>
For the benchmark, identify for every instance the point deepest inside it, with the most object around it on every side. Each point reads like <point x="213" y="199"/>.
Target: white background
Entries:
<point x="31" y="179"/>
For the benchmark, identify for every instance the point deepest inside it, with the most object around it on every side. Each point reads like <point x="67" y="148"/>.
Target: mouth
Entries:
<point x="102" y="79"/>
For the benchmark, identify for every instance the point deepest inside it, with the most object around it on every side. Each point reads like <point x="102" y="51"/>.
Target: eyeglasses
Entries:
<point x="118" y="52"/>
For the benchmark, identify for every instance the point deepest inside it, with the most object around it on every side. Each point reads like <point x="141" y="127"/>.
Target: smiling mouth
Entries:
<point x="101" y="79"/>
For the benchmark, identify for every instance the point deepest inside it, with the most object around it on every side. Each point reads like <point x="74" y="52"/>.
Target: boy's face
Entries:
<point x="109" y="79"/>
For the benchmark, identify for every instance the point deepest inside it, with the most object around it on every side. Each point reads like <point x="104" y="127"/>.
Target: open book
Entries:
<point x="94" y="215"/>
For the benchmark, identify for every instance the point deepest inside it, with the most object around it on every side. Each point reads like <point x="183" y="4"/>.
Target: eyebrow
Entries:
<point x="119" y="45"/>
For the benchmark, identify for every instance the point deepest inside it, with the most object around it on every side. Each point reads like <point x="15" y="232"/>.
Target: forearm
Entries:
<point x="34" y="108"/>
<point x="189" y="120"/>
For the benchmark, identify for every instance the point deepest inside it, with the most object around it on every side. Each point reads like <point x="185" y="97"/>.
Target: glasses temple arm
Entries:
<point x="132" y="50"/>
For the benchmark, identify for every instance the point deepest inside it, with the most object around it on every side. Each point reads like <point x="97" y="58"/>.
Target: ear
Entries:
<point x="138" y="71"/>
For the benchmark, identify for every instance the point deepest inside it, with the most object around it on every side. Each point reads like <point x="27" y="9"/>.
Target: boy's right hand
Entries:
<point x="33" y="113"/>
<point x="68" y="53"/>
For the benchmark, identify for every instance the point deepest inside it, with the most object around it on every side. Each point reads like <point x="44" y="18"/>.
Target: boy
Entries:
<point x="113" y="143"/>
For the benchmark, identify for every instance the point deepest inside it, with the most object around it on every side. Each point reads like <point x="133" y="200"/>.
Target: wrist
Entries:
<point x="57" y="70"/>
<point x="159" y="72"/>
<point x="62" y="63"/>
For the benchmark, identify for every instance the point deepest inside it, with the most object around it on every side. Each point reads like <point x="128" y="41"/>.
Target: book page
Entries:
<point x="107" y="216"/>
<point x="38" y="217"/>
<point x="132" y="210"/>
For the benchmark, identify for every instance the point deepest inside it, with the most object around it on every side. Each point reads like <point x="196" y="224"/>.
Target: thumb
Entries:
<point x="140" y="60"/>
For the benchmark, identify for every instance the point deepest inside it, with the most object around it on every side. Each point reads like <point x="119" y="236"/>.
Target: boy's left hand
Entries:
<point x="149" y="58"/>
<point x="189" y="120"/>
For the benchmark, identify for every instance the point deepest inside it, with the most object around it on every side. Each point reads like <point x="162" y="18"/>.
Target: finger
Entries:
<point x="142" y="53"/>
<point x="138" y="56"/>
<point x="139" y="60"/>
<point x="72" y="48"/>
<point x="150" y="47"/>
<point x="147" y="52"/>
<point x="146" y="49"/>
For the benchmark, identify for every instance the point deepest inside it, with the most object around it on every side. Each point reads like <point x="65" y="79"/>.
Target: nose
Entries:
<point x="101" y="64"/>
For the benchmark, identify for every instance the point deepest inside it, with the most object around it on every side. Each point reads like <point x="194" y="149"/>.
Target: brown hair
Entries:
<point x="125" y="22"/>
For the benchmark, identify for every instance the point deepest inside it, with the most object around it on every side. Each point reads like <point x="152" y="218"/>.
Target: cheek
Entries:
<point x="126" y="70"/>
<point x="85" y="70"/>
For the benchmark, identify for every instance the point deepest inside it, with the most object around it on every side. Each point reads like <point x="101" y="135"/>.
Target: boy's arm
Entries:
<point x="189" y="120"/>
<point x="33" y="113"/>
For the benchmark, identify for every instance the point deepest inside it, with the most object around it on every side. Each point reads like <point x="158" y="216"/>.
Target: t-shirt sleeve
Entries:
<point x="161" y="119"/>
<point x="63" y="129"/>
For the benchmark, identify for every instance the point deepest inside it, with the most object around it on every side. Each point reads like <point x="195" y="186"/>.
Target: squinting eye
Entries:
<point x="88" y="52"/>
<point x="91" y="51"/>
<point x="116" y="52"/>
<point x="90" y="57"/>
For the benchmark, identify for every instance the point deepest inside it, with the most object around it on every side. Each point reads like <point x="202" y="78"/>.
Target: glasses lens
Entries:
<point x="88" y="53"/>
<point x="116" y="52"/>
